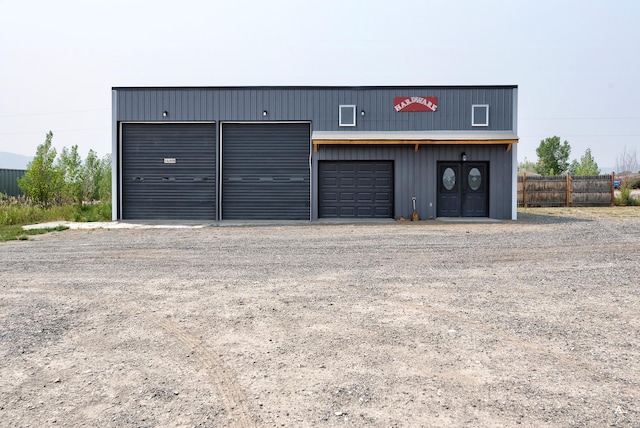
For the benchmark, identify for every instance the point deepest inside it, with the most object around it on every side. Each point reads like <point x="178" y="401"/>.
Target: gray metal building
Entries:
<point x="304" y="153"/>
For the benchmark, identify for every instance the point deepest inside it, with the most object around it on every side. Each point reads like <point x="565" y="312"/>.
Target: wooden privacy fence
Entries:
<point x="565" y="191"/>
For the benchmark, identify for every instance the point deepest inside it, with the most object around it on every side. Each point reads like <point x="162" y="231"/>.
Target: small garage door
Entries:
<point x="356" y="189"/>
<point x="168" y="171"/>
<point x="265" y="171"/>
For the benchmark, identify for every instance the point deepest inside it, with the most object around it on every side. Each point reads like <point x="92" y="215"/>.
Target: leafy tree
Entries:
<point x="43" y="179"/>
<point x="586" y="166"/>
<point x="91" y="177"/>
<point x="526" y="166"/>
<point x="104" y="185"/>
<point x="70" y="164"/>
<point x="553" y="156"/>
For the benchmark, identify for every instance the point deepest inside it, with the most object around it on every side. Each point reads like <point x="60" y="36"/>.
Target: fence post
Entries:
<point x="524" y="189"/>
<point x="613" y="188"/>
<point x="568" y="190"/>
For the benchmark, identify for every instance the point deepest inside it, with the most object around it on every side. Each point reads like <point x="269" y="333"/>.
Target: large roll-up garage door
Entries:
<point x="356" y="189"/>
<point x="169" y="171"/>
<point x="265" y="171"/>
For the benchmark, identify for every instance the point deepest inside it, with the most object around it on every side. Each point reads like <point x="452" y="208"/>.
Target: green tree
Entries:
<point x="553" y="156"/>
<point x="526" y="166"/>
<point x="70" y="163"/>
<point x="104" y="185"/>
<point x="586" y="166"/>
<point x="91" y="177"/>
<point x="43" y="179"/>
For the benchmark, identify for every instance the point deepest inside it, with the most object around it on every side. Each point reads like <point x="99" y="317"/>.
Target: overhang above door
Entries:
<point x="415" y="139"/>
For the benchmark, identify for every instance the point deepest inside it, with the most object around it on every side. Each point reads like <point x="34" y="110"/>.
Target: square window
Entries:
<point x="480" y="115"/>
<point x="347" y="115"/>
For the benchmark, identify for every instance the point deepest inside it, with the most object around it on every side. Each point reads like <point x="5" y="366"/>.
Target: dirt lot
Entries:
<point x="534" y="323"/>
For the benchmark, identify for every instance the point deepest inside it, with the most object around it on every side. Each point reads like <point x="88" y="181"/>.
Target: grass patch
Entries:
<point x="616" y="211"/>
<point x="626" y="198"/>
<point x="13" y="232"/>
<point x="16" y="213"/>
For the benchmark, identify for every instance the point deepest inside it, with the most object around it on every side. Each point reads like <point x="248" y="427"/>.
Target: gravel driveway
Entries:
<point x="533" y="323"/>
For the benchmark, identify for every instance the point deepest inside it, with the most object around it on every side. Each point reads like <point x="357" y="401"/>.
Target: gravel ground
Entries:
<point x="533" y="323"/>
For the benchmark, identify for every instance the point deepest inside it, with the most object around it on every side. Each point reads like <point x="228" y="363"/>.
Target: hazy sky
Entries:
<point x="577" y="63"/>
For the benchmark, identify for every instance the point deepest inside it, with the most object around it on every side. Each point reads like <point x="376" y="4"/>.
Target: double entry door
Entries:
<point x="463" y="189"/>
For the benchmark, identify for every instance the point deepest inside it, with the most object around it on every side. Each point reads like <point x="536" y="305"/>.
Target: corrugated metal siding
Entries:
<point x="319" y="105"/>
<point x="9" y="181"/>
<point x="415" y="174"/>
<point x="153" y="189"/>
<point x="265" y="171"/>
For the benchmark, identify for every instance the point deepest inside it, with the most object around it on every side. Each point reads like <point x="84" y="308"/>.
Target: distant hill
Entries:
<point x="14" y="161"/>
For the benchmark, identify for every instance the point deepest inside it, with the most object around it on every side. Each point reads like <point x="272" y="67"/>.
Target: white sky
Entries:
<point x="576" y="62"/>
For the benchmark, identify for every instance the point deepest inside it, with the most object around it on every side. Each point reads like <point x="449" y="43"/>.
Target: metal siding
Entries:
<point x="152" y="189"/>
<point x="320" y="106"/>
<point x="9" y="181"/>
<point x="265" y="171"/>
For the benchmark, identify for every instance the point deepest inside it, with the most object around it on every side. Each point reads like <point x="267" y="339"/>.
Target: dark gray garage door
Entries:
<point x="356" y="189"/>
<point x="168" y="171"/>
<point x="265" y="171"/>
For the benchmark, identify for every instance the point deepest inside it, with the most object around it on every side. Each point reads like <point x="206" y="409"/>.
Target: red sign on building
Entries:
<point x="402" y="104"/>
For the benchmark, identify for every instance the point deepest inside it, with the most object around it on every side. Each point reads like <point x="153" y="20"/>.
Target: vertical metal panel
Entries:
<point x="115" y="157"/>
<point x="265" y="171"/>
<point x="9" y="181"/>
<point x="320" y="105"/>
<point x="168" y="171"/>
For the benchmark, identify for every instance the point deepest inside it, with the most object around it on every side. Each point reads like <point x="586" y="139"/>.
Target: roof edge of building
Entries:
<point x="313" y="87"/>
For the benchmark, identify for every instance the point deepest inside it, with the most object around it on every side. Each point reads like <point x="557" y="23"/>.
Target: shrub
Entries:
<point x="25" y="212"/>
<point x="625" y="198"/>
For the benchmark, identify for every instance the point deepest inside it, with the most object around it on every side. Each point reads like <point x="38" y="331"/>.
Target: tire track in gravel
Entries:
<point x="228" y="390"/>
<point x="227" y="387"/>
<point x="532" y="346"/>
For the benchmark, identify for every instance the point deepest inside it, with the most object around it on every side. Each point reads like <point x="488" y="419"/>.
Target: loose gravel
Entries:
<point x="532" y="323"/>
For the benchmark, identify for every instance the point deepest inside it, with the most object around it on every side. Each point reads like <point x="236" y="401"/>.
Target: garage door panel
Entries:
<point x="265" y="171"/>
<point x="365" y="182"/>
<point x="364" y="197"/>
<point x="347" y="182"/>
<point x="364" y="211"/>
<point x="364" y="189"/>
<point x="347" y="197"/>
<point x="168" y="171"/>
<point x="346" y="212"/>
<point x="383" y="196"/>
<point x="384" y="183"/>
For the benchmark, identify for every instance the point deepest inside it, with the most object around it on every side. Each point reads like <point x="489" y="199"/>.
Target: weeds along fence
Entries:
<point x="565" y="191"/>
<point x="9" y="181"/>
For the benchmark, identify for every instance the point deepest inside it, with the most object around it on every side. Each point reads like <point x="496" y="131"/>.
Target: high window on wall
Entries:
<point x="347" y="115"/>
<point x="480" y="115"/>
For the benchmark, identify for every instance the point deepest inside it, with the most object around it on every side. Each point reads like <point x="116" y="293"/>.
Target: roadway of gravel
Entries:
<point x="534" y="323"/>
